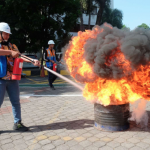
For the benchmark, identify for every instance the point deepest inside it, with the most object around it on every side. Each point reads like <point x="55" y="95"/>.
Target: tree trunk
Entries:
<point x="89" y="22"/>
<point x="100" y="12"/>
<point x="99" y="15"/>
<point x="81" y="20"/>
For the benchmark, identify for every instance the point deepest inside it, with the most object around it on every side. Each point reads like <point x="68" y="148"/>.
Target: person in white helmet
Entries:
<point x="8" y="53"/>
<point x="50" y="58"/>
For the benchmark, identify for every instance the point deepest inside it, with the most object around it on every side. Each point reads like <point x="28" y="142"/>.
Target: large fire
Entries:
<point x="131" y="84"/>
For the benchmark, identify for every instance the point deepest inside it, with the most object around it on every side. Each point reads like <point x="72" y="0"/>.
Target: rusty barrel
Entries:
<point x="112" y="117"/>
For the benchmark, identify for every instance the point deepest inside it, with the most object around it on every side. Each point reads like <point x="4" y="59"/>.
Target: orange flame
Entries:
<point x="104" y="91"/>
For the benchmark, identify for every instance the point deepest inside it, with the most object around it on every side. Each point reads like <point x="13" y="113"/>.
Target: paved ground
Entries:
<point x="63" y="120"/>
<point x="41" y="81"/>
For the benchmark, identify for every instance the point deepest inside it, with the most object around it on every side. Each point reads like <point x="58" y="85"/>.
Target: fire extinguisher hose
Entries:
<point x="59" y="75"/>
<point x="27" y="58"/>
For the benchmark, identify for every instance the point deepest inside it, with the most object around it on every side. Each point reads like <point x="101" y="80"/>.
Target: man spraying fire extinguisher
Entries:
<point x="8" y="53"/>
<point x="50" y="58"/>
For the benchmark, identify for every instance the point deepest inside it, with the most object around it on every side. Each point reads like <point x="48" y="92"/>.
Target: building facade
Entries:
<point x="86" y="18"/>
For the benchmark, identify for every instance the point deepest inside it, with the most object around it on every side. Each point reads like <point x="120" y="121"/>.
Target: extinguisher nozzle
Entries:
<point x="27" y="58"/>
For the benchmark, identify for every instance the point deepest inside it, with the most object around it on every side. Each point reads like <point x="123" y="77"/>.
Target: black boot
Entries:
<point x="52" y="87"/>
<point x="20" y="127"/>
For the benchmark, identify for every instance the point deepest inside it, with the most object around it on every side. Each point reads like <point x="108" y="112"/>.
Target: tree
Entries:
<point x="34" y="22"/>
<point x="83" y="7"/>
<point x="89" y="9"/>
<point x="87" y="6"/>
<point x="144" y="26"/>
<point x="112" y="16"/>
<point x="124" y="26"/>
<point x="102" y="4"/>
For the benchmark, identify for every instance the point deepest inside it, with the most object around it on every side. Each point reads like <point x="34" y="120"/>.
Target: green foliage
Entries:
<point x="102" y="5"/>
<point x="112" y="16"/>
<point x="84" y="4"/>
<point x="144" y="26"/>
<point x="125" y="27"/>
<point x="105" y="3"/>
<point x="34" y="22"/>
<point x="88" y="6"/>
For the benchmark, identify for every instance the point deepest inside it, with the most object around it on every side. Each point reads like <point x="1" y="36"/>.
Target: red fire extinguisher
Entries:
<point x="54" y="67"/>
<point x="17" y="69"/>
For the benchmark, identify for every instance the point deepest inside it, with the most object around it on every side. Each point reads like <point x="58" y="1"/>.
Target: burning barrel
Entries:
<point x="112" y="117"/>
<point x="114" y="65"/>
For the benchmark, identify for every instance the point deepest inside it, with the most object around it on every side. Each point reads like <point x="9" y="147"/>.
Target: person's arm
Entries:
<point x="28" y="59"/>
<point x="5" y="52"/>
<point x="45" y="56"/>
<point x="61" y="62"/>
<point x="14" y="54"/>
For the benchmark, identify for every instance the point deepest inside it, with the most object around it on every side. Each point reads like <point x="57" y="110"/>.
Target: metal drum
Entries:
<point x="112" y="117"/>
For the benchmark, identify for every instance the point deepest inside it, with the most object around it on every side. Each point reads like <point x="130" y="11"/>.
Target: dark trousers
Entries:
<point x="51" y="77"/>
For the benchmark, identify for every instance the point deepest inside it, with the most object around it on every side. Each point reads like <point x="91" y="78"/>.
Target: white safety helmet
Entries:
<point x="4" y="27"/>
<point x="50" y="42"/>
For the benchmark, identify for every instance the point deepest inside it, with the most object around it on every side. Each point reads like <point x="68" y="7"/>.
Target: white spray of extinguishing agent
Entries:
<point x="64" y="78"/>
<point x="55" y="73"/>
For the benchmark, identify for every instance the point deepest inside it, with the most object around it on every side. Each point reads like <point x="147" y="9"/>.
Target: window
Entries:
<point x="94" y="12"/>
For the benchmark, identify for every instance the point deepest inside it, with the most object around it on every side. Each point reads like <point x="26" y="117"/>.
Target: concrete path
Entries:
<point x="63" y="120"/>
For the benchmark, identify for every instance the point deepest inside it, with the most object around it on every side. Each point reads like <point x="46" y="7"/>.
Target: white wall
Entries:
<point x="86" y="18"/>
<point x="73" y="33"/>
